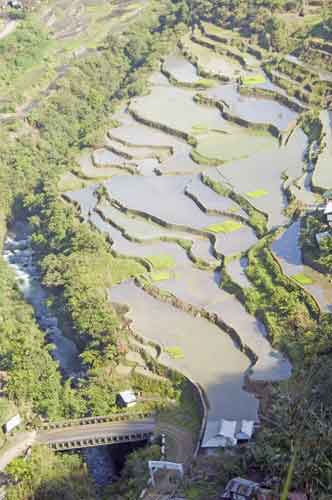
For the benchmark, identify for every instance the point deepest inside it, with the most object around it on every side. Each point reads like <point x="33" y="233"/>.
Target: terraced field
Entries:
<point x="185" y="178"/>
<point x="61" y="32"/>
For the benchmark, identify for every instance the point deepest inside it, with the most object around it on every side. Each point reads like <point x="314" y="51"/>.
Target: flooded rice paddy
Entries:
<point x="162" y="213"/>
<point x="323" y="172"/>
<point x="253" y="109"/>
<point x="211" y="62"/>
<point x="181" y="69"/>
<point x="203" y="345"/>
<point x="287" y="249"/>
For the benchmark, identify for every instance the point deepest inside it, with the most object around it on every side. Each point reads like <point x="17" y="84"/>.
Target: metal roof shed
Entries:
<point x="227" y="431"/>
<point x="240" y="489"/>
<point x="328" y="208"/>
<point x="127" y="398"/>
<point x="247" y="429"/>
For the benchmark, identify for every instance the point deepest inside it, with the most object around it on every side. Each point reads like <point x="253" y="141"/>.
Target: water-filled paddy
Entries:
<point x="180" y="162"/>
<point x="104" y="157"/>
<point x="169" y="202"/>
<point x="181" y="69"/>
<point x="175" y="108"/>
<point x="254" y="109"/>
<point x="210" y="356"/>
<point x="138" y="134"/>
<point x="85" y="199"/>
<point x="90" y="171"/>
<point x="213" y="63"/>
<point x="265" y="172"/>
<point x="322" y="176"/>
<point x="142" y="230"/>
<point x="288" y="251"/>
<point x="237" y="144"/>
<point x="133" y="152"/>
<point x="236" y="270"/>
<point x="210" y="200"/>
<point x="202" y="289"/>
<point x="161" y="197"/>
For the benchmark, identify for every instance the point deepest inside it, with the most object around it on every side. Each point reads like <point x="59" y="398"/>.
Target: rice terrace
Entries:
<point x="177" y="229"/>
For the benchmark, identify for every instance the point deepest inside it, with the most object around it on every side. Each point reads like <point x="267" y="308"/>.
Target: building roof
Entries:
<point x="227" y="428"/>
<point x="328" y="208"/>
<point x="247" y="429"/>
<point x="128" y="397"/>
<point x="219" y="433"/>
<point x="222" y="433"/>
<point x="239" y="488"/>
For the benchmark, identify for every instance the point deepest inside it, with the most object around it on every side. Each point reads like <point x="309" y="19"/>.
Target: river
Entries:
<point x="19" y="255"/>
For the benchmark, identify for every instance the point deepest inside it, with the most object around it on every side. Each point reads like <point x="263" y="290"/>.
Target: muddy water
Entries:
<point x="204" y="346"/>
<point x="253" y="109"/>
<point x="287" y="249"/>
<point x="90" y="171"/>
<point x="162" y="197"/>
<point x="236" y="269"/>
<point x="209" y="200"/>
<point x="322" y="176"/>
<point x="264" y="173"/>
<point x="174" y="107"/>
<point x="213" y="63"/>
<point x="181" y="69"/>
<point x="202" y="289"/>
<point x="138" y="134"/>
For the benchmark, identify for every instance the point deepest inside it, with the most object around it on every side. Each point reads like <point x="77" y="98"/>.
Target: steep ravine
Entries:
<point x="19" y="255"/>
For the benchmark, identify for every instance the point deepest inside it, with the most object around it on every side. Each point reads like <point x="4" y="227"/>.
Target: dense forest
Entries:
<point x="77" y="267"/>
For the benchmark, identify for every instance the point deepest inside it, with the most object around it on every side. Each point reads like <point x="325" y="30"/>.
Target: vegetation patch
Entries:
<point x="161" y="262"/>
<point x="239" y="143"/>
<point x="257" y="219"/>
<point x="253" y="79"/>
<point x="175" y="352"/>
<point x="160" y="275"/>
<point x="303" y="279"/>
<point x="258" y="193"/>
<point x="200" y="128"/>
<point x="205" y="83"/>
<point x="229" y="226"/>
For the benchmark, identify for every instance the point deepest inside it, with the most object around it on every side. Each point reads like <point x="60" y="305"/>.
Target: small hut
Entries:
<point x="244" y="489"/>
<point x="246" y="431"/>
<point x="126" y="399"/>
<point x="328" y="213"/>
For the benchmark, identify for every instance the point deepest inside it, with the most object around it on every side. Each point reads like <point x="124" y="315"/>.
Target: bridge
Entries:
<point x="96" y="431"/>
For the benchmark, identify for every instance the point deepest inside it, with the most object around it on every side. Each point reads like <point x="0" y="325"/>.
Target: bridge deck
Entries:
<point x="82" y="436"/>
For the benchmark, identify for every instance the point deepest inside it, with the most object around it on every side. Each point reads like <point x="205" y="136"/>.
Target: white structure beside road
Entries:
<point x="12" y="423"/>
<point x="224" y="433"/>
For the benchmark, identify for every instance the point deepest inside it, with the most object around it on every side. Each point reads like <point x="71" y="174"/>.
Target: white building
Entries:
<point x="224" y="433"/>
<point x="127" y="399"/>
<point x="328" y="212"/>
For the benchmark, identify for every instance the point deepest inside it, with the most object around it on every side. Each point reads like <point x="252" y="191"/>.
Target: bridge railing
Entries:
<point x="70" y="443"/>
<point x="117" y="417"/>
